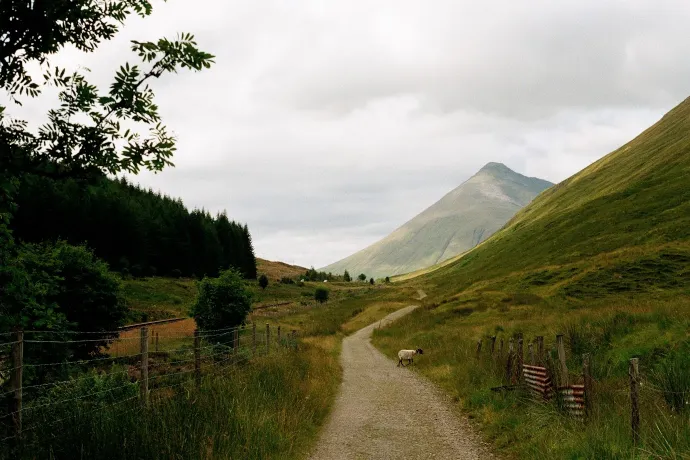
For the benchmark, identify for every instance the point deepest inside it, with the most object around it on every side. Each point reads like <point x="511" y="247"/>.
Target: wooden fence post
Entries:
<point x="493" y="345"/>
<point x="587" y="376"/>
<point x="17" y="377"/>
<point x="509" y="363"/>
<point x="540" y="350"/>
<point x="254" y="339"/>
<point x="197" y="358"/>
<point x="278" y="335"/>
<point x="520" y="358"/>
<point x="157" y="338"/>
<point x="479" y="348"/>
<point x="561" y="358"/>
<point x="268" y="338"/>
<point x="294" y="338"/>
<point x="634" y="372"/>
<point x="144" y="383"/>
<point x="500" y="349"/>
<point x="530" y="348"/>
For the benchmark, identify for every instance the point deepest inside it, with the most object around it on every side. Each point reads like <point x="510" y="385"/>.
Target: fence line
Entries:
<point x="211" y="352"/>
<point x="543" y="373"/>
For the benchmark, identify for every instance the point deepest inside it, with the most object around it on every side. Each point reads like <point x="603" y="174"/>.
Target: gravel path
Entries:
<point x="386" y="412"/>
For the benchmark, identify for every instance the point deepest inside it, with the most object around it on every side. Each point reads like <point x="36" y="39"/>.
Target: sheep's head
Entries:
<point x="420" y="351"/>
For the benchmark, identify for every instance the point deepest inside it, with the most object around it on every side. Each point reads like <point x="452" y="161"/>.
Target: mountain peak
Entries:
<point x="460" y="220"/>
<point x="496" y="167"/>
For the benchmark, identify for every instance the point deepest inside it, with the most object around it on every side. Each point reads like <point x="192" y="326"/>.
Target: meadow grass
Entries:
<point x="611" y="331"/>
<point x="260" y="407"/>
<point x="270" y="407"/>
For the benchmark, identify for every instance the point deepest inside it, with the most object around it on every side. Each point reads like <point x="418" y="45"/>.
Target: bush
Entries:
<point x="176" y="273"/>
<point x="287" y="280"/>
<point x="222" y="302"/>
<point x="388" y="280"/>
<point x="321" y="294"/>
<point x="77" y="287"/>
<point x="362" y="277"/>
<point x="263" y="281"/>
<point x="346" y="277"/>
<point x="371" y="281"/>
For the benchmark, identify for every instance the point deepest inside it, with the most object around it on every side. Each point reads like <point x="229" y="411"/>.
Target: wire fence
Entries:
<point x="544" y="374"/>
<point x="45" y="373"/>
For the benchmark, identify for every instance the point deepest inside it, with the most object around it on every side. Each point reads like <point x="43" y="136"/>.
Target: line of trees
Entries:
<point x="135" y="230"/>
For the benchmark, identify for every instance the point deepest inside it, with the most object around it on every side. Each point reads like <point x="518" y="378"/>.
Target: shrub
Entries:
<point x="176" y="273"/>
<point x="321" y="294"/>
<point x="222" y="302"/>
<point x="263" y="281"/>
<point x="362" y="277"/>
<point x="76" y="286"/>
<point x="287" y="280"/>
<point x="346" y="277"/>
<point x="371" y="281"/>
<point x="388" y="280"/>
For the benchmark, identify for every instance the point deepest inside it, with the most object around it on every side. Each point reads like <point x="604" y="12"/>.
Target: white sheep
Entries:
<point x="408" y="355"/>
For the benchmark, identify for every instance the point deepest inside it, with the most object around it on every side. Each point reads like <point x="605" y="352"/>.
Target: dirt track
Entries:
<point x="386" y="412"/>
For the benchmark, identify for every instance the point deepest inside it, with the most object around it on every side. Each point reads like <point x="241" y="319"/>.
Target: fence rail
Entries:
<point x="161" y="361"/>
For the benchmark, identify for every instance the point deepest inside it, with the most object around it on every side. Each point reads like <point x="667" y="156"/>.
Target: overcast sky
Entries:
<point x="324" y="125"/>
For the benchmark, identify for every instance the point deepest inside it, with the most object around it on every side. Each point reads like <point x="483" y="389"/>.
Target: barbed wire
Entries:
<point x="79" y="362"/>
<point x="210" y="365"/>
<point x="82" y="341"/>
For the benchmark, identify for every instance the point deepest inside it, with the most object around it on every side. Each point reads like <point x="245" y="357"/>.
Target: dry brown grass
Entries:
<point x="277" y="270"/>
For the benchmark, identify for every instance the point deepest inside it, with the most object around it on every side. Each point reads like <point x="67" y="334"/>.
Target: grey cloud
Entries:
<point x="326" y="125"/>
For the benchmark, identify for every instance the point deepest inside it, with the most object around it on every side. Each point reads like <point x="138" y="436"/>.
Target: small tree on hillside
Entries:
<point x="263" y="281"/>
<point x="346" y="277"/>
<point x="388" y="280"/>
<point x="362" y="277"/>
<point x="371" y="281"/>
<point x="222" y="302"/>
<point x="321" y="294"/>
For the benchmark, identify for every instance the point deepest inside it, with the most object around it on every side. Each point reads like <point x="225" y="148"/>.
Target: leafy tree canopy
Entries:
<point x="222" y="302"/>
<point x="91" y="129"/>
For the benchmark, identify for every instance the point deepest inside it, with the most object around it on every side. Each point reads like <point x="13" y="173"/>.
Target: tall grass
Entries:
<point x="270" y="408"/>
<point x="521" y="427"/>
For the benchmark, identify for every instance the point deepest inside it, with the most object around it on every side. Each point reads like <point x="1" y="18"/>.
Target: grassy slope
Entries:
<point x="603" y="257"/>
<point x="276" y="270"/>
<point x="633" y="202"/>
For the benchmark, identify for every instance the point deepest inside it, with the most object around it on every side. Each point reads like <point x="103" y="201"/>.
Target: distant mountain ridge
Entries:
<point x="459" y="221"/>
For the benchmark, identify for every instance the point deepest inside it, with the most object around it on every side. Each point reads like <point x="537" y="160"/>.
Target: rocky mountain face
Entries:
<point x="457" y="222"/>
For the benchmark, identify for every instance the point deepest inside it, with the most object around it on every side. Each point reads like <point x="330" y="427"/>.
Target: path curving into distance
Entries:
<point x="386" y="412"/>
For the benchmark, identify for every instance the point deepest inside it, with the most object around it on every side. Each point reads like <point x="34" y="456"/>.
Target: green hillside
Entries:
<point x="622" y="224"/>
<point x="602" y="258"/>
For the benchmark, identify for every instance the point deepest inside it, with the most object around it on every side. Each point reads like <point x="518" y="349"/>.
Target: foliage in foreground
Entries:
<point x="269" y="408"/>
<point x="66" y="289"/>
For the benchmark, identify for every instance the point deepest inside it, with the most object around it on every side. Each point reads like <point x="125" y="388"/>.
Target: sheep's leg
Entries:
<point x="400" y="363"/>
<point x="409" y="361"/>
